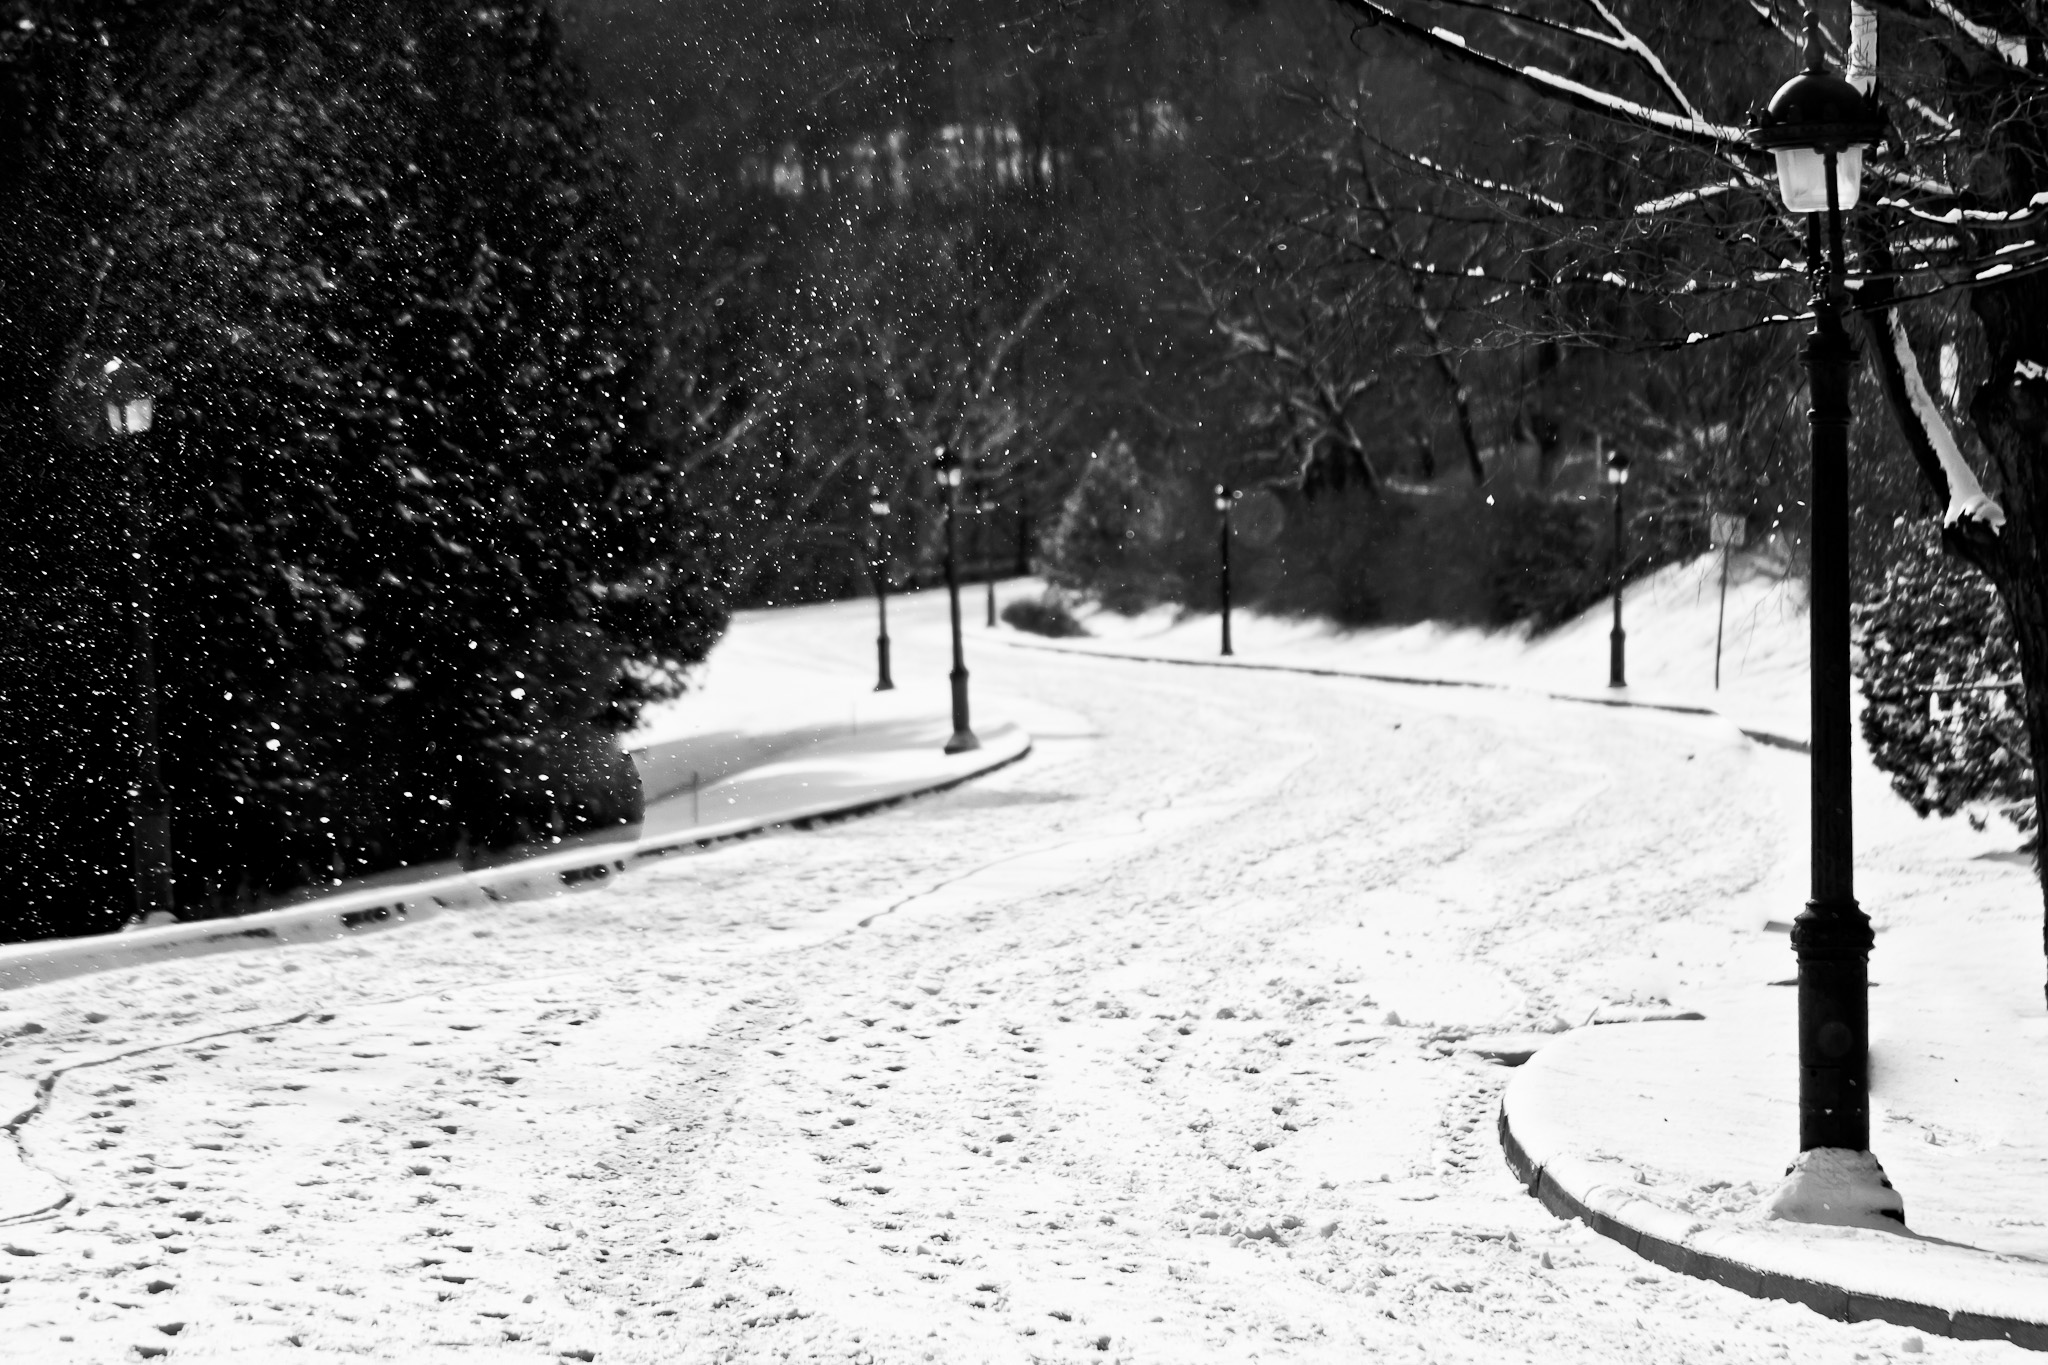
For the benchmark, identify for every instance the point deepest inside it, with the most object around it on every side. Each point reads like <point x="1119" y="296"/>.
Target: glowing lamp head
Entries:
<point x="1617" y="469"/>
<point x="130" y="397"/>
<point x="1817" y="117"/>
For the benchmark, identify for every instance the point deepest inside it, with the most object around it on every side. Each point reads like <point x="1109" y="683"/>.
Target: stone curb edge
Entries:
<point x="1766" y="737"/>
<point x="1829" y="1300"/>
<point x="332" y="917"/>
<point x="810" y="817"/>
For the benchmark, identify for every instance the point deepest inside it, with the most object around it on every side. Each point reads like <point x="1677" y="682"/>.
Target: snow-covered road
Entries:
<point x="1143" y="1049"/>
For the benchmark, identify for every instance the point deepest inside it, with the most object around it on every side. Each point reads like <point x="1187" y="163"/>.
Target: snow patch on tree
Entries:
<point x="1966" y="497"/>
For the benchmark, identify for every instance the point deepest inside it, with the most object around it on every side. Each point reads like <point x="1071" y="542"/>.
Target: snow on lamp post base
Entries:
<point x="1817" y="125"/>
<point x="1840" y="1187"/>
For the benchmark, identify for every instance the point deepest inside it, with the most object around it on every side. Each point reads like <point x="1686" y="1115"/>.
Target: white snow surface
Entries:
<point x="1670" y="619"/>
<point x="1147" y="1048"/>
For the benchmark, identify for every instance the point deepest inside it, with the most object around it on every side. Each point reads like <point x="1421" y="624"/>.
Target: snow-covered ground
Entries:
<point x="1147" y="1048"/>
<point x="1674" y="621"/>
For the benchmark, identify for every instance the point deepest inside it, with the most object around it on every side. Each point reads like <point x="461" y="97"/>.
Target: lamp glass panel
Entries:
<point x="117" y="418"/>
<point x="140" y="412"/>
<point x="1802" y="178"/>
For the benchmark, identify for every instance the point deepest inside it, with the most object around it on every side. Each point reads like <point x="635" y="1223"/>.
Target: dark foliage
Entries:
<point x="1131" y="537"/>
<point x="1944" y="712"/>
<point x="1046" y="615"/>
<point x="420" y="542"/>
<point x="1115" y="536"/>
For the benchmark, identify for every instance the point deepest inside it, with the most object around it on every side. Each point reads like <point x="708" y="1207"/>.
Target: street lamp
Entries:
<point x="984" y="509"/>
<point x="878" y="560"/>
<point x="949" y="479"/>
<point x="1818" y="125"/>
<point x="1617" y="639"/>
<point x="129" y="393"/>
<point x="1224" y="497"/>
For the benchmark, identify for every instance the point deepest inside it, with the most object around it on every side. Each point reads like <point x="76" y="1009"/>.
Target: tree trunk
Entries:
<point x="2010" y="414"/>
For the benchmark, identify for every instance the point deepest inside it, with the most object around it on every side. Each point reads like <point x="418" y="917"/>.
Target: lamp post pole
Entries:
<point x="1818" y="125"/>
<point x="1617" y="638"/>
<point x="981" y="536"/>
<point x="1831" y="935"/>
<point x="1224" y="495"/>
<point x="130" y="406"/>
<point x="949" y="481"/>
<point x="878" y="560"/>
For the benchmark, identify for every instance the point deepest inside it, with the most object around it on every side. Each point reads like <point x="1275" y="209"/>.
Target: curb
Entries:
<point x="1765" y="737"/>
<point x="387" y="906"/>
<point x="807" y="817"/>
<point x="1829" y="1300"/>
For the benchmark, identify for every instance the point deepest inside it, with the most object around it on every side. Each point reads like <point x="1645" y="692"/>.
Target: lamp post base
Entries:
<point x="883" y="682"/>
<point x="1617" y="651"/>
<point x="1832" y="941"/>
<point x="963" y="734"/>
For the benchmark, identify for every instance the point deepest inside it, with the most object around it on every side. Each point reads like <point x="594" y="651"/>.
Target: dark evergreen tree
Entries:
<point x="423" y="541"/>
<point x="1099" y="543"/>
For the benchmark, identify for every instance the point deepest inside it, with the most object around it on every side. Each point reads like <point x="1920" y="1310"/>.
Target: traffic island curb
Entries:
<point x="1830" y="1300"/>
<point x="394" y="903"/>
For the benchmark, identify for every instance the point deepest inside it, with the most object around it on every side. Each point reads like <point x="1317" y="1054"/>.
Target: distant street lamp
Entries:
<point x="878" y="572"/>
<point x="985" y="510"/>
<point x="130" y="398"/>
<point x="1818" y="125"/>
<point x="1617" y="639"/>
<point x="1224" y="497"/>
<point x="949" y="480"/>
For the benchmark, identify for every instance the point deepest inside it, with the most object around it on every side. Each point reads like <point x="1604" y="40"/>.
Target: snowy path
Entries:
<point x="1143" y="1049"/>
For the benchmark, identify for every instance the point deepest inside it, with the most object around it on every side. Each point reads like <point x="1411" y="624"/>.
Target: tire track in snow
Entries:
<point x="45" y="1089"/>
<point x="1036" y="871"/>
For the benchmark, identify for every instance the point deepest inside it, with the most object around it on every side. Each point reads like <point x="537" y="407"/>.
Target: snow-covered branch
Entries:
<point x="2011" y="50"/>
<point x="1688" y="197"/>
<point x="1451" y="173"/>
<point x="2035" y="211"/>
<point x="1860" y="66"/>
<point x="1966" y="497"/>
<point x="1643" y="54"/>
<point x="1719" y="138"/>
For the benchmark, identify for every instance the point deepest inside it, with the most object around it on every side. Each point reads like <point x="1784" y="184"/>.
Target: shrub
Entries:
<point x="1047" y="615"/>
<point x="1943" y="712"/>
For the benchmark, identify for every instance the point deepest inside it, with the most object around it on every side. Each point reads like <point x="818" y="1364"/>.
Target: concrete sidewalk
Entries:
<point x="704" y="789"/>
<point x="1670" y="1137"/>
